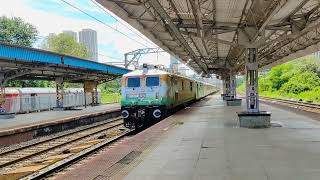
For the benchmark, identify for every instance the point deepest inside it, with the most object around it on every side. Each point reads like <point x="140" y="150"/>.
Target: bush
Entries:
<point x="305" y="81"/>
<point x="298" y="79"/>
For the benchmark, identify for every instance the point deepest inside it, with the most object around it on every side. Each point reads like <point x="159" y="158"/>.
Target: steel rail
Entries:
<point x="58" y="136"/>
<point x="59" y="145"/>
<point x="304" y="104"/>
<point x="63" y="163"/>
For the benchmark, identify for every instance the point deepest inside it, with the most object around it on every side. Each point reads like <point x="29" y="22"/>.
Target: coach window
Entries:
<point x="133" y="82"/>
<point x="152" y="81"/>
<point x="190" y="86"/>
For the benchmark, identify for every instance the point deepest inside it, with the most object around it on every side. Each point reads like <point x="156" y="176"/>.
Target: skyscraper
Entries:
<point x="71" y="33"/>
<point x="88" y="37"/>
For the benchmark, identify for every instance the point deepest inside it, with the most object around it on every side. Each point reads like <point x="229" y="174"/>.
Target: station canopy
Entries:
<point x="211" y="36"/>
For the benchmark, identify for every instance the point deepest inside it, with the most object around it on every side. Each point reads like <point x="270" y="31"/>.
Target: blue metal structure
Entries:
<point x="15" y="54"/>
<point x="28" y="63"/>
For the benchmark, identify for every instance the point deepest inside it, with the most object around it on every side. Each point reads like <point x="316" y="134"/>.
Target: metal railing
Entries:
<point x="21" y="104"/>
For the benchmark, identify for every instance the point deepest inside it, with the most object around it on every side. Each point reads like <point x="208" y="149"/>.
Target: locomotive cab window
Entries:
<point x="152" y="81"/>
<point x="133" y="82"/>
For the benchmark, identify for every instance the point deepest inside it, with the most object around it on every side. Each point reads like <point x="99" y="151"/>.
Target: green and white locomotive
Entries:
<point x="148" y="94"/>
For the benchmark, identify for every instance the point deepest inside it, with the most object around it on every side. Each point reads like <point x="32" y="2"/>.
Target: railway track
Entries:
<point x="40" y="158"/>
<point x="312" y="107"/>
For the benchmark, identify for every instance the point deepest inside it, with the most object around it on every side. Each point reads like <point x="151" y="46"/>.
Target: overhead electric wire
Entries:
<point x="147" y="40"/>
<point x="91" y="16"/>
<point x="111" y="57"/>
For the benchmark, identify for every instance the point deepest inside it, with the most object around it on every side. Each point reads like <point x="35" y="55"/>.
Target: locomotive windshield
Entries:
<point x="152" y="81"/>
<point x="133" y="82"/>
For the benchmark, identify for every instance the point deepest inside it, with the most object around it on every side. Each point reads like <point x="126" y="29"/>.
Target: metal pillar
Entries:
<point x="227" y="86"/>
<point x="95" y="94"/>
<point x="233" y="85"/>
<point x="224" y="90"/>
<point x="252" y="96"/>
<point x="2" y="94"/>
<point x="59" y="92"/>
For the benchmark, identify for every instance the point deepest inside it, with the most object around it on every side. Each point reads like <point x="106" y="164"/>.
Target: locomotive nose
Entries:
<point x="157" y="113"/>
<point x="125" y="114"/>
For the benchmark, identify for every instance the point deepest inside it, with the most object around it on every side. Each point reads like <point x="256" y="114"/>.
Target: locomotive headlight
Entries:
<point x="125" y="114"/>
<point x="156" y="113"/>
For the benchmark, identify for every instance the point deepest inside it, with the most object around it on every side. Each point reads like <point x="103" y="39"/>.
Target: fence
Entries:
<point x="25" y="104"/>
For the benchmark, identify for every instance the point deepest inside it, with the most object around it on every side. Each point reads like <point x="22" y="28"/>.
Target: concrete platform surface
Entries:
<point x="209" y="145"/>
<point x="22" y="120"/>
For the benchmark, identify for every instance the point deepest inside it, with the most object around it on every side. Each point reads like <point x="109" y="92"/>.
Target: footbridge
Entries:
<point x="227" y="37"/>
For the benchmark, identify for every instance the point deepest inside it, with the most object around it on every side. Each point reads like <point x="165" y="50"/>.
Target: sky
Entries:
<point x="54" y="16"/>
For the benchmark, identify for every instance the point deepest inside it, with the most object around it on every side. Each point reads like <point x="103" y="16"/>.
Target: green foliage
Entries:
<point x="111" y="86"/>
<point x="241" y="88"/>
<point x="110" y="91"/>
<point x="107" y="98"/>
<point x="16" y="31"/>
<point x="72" y="85"/>
<point x="240" y="80"/>
<point x="298" y="79"/>
<point x="30" y="83"/>
<point x="65" y="44"/>
<point x="280" y="74"/>
<point x="305" y="81"/>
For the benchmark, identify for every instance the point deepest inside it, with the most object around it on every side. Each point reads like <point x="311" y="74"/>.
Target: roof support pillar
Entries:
<point x="59" y="93"/>
<point x="224" y="87"/>
<point x="253" y="118"/>
<point x="232" y="100"/>
<point x="233" y="85"/>
<point x="2" y="94"/>
<point x="94" y="94"/>
<point x="252" y="95"/>
<point x="92" y="87"/>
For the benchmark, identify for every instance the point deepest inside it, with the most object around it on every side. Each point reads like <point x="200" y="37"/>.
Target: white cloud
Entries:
<point x="47" y="22"/>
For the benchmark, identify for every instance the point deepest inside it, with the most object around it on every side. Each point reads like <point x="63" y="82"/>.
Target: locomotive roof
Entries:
<point x="152" y="72"/>
<point x="149" y="73"/>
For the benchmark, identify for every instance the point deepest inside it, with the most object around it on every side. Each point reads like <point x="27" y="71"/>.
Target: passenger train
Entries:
<point x="24" y="100"/>
<point x="148" y="95"/>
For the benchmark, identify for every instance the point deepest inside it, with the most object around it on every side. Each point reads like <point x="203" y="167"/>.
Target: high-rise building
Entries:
<point x="88" y="37"/>
<point x="71" y="33"/>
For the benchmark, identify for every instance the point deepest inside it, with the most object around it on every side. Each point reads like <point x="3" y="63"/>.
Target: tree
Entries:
<point x="298" y="79"/>
<point x="16" y="31"/>
<point x="113" y="86"/>
<point x="304" y="81"/>
<point x="65" y="44"/>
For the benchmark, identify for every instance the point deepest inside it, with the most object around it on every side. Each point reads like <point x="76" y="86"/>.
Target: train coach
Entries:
<point x="24" y="100"/>
<point x="147" y="95"/>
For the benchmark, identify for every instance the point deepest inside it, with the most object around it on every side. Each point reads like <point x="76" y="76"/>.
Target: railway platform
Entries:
<point x="204" y="141"/>
<point x="25" y="127"/>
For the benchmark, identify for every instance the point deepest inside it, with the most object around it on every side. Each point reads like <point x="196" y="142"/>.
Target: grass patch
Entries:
<point x="107" y="98"/>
